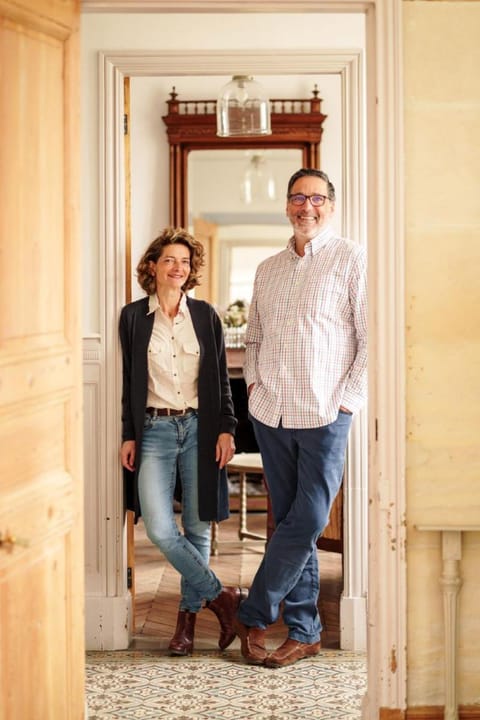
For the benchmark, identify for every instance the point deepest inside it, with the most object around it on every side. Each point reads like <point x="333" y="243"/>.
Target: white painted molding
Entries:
<point x="92" y="350"/>
<point x="387" y="583"/>
<point x="107" y="620"/>
<point x="222" y="6"/>
<point x="112" y="273"/>
<point x="347" y="64"/>
<point x="353" y="625"/>
<point x="353" y="603"/>
<point x="314" y="61"/>
<point x="107" y="601"/>
<point x="95" y="557"/>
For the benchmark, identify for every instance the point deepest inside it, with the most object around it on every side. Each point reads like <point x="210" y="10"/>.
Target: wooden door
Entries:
<point x="207" y="233"/>
<point x="41" y="492"/>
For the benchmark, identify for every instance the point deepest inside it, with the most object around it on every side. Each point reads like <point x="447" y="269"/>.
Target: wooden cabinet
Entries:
<point x="235" y="358"/>
<point x="332" y="537"/>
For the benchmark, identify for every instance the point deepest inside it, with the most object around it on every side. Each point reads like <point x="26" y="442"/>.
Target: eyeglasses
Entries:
<point x="299" y="199"/>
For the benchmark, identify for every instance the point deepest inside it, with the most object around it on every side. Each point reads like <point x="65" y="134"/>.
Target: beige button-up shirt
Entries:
<point x="173" y="359"/>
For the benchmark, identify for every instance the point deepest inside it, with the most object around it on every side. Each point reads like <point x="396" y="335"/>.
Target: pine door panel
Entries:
<point x="41" y="487"/>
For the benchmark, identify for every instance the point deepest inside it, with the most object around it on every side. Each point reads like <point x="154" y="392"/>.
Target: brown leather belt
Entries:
<point x="162" y="412"/>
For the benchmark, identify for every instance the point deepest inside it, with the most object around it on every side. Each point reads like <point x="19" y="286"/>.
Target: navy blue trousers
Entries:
<point x="303" y="470"/>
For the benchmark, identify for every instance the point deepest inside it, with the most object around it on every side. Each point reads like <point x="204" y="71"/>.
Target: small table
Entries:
<point x="241" y="463"/>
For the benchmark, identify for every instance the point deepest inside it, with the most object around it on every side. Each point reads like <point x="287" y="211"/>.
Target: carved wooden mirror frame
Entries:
<point x="191" y="125"/>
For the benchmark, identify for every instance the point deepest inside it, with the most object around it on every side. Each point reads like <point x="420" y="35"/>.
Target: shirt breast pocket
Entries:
<point x="335" y="300"/>
<point x="190" y="361"/>
<point x="158" y="358"/>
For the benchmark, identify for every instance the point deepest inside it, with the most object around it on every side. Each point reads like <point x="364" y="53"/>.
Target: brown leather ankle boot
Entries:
<point x="225" y="607"/>
<point x="182" y="641"/>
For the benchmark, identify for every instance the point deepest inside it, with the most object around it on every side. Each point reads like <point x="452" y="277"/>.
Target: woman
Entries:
<point x="178" y="425"/>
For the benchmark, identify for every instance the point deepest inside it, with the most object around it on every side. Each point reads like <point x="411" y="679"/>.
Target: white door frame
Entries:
<point x="349" y="66"/>
<point x="386" y="633"/>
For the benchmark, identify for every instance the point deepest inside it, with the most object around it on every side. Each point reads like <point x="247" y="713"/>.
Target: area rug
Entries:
<point x="142" y="685"/>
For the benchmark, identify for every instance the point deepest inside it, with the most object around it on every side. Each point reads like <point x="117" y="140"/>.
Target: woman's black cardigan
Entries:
<point x="215" y="406"/>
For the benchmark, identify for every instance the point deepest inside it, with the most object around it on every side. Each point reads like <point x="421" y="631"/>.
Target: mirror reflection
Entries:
<point x="236" y="208"/>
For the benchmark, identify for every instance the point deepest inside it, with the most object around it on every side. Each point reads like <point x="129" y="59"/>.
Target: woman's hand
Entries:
<point x="225" y="449"/>
<point x="127" y="454"/>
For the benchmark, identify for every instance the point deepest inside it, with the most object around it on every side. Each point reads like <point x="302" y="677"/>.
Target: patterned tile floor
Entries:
<point x="144" y="683"/>
<point x="141" y="685"/>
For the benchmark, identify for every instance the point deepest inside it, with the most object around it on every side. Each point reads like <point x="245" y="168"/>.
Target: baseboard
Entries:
<point x="391" y="714"/>
<point x="107" y="622"/>
<point x="436" y="712"/>
<point x="353" y="625"/>
<point x="430" y="712"/>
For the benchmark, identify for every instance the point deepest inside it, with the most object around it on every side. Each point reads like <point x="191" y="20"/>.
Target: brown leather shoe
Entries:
<point x="225" y="607"/>
<point x="252" y="641"/>
<point x="290" y="652"/>
<point x="182" y="641"/>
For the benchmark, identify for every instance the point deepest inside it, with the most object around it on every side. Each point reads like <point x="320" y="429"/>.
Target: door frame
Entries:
<point x="386" y="634"/>
<point x="349" y="66"/>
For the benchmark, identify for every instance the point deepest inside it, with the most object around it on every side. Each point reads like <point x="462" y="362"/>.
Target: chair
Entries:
<point x="243" y="464"/>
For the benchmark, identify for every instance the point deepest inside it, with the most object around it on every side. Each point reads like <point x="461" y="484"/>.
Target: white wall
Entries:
<point x="108" y="32"/>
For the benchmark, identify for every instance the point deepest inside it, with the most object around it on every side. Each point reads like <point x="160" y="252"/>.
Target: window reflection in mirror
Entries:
<point x="236" y="207"/>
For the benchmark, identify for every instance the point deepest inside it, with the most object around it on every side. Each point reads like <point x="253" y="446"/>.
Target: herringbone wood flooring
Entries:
<point x="157" y="588"/>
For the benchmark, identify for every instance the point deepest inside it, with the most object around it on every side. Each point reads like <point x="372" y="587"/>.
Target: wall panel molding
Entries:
<point x="222" y="6"/>
<point x="93" y="464"/>
<point x="107" y="613"/>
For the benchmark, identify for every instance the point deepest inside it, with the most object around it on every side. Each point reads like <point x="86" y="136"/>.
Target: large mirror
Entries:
<point x="230" y="192"/>
<point x="236" y="206"/>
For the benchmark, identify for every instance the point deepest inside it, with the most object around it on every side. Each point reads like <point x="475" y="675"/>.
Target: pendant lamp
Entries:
<point x="243" y="108"/>
<point x="258" y="184"/>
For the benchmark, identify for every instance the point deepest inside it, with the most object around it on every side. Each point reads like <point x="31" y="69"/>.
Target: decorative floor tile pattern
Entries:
<point x="139" y="685"/>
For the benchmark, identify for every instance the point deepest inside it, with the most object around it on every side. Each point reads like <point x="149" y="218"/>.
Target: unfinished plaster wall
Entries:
<point x="442" y="189"/>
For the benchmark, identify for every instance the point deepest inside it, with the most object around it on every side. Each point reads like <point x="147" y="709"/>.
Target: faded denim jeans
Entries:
<point x="169" y="445"/>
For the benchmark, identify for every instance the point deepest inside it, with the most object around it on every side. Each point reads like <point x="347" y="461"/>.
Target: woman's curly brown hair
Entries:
<point x="170" y="236"/>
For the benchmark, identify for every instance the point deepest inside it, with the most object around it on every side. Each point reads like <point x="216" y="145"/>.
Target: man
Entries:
<point x="305" y="369"/>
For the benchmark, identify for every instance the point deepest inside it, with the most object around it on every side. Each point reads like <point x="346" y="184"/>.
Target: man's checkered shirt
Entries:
<point x="306" y="344"/>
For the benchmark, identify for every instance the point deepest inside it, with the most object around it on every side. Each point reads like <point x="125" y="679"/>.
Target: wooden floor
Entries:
<point x="157" y="588"/>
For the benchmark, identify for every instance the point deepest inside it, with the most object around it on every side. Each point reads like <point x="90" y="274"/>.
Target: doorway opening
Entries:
<point x="343" y="74"/>
<point x="384" y="179"/>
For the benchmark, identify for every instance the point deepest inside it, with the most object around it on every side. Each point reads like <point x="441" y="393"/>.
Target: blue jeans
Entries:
<point x="304" y="470"/>
<point x="169" y="446"/>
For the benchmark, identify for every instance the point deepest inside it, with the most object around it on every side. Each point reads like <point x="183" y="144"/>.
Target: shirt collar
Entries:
<point x="153" y="304"/>
<point x="314" y="245"/>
